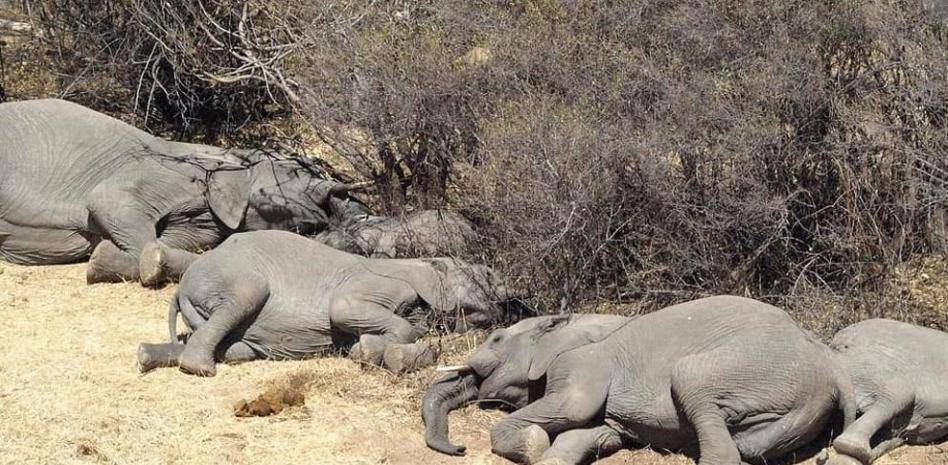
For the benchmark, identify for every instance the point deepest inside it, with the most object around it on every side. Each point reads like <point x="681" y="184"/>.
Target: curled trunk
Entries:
<point x="449" y="393"/>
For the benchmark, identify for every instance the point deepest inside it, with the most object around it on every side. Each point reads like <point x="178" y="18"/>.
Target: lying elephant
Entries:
<point x="277" y="295"/>
<point x="426" y="233"/>
<point x="73" y="180"/>
<point x="735" y="376"/>
<point x="900" y="374"/>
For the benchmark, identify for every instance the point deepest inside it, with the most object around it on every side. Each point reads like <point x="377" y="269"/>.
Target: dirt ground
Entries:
<point x="70" y="393"/>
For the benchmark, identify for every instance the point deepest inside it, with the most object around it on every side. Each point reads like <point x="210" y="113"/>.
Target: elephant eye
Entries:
<point x="496" y="338"/>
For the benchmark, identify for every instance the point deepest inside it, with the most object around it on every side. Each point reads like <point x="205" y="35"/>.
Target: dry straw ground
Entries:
<point x="70" y="394"/>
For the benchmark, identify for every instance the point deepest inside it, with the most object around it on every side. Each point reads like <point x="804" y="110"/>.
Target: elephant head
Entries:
<point x="466" y="295"/>
<point x="508" y="369"/>
<point x="273" y="193"/>
<point x="343" y="234"/>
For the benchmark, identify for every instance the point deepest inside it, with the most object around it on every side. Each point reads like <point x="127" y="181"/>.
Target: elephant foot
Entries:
<point x="196" y="365"/>
<point x="151" y="266"/>
<point x="852" y="448"/>
<point x="369" y="350"/>
<point x="151" y="356"/>
<point x="405" y="358"/>
<point x="110" y="264"/>
<point x="525" y="446"/>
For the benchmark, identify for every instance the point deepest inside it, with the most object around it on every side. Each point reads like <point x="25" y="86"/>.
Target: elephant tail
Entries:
<point x="173" y="311"/>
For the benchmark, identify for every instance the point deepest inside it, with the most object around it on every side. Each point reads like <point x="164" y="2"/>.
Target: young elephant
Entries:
<point x="426" y="233"/>
<point x="734" y="375"/>
<point x="74" y="181"/>
<point x="900" y="375"/>
<point x="277" y="295"/>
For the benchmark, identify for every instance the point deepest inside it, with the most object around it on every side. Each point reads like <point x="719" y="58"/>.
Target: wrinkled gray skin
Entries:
<point x="277" y="295"/>
<point x="735" y="376"/>
<point x="75" y="182"/>
<point x="900" y="374"/>
<point x="426" y="233"/>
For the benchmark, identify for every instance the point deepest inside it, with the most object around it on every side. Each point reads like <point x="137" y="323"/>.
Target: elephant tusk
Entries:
<point x="460" y="369"/>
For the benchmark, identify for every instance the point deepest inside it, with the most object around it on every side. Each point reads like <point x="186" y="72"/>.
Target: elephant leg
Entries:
<point x="695" y="391"/>
<point x="575" y="396"/>
<point x="244" y="301"/>
<point x="110" y="264"/>
<point x="160" y="264"/>
<point x="126" y="221"/>
<point x="237" y="352"/>
<point x="855" y="440"/>
<point x="405" y="358"/>
<point x="772" y="439"/>
<point x="579" y="446"/>
<point x="376" y="326"/>
<point x="524" y="435"/>
<point x="151" y="356"/>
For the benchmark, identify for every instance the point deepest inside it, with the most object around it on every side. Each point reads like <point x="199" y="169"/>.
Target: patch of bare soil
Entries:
<point x="70" y="393"/>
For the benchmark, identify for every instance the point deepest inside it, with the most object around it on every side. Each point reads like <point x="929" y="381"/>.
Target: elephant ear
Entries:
<point x="561" y="336"/>
<point x="228" y="194"/>
<point x="434" y="286"/>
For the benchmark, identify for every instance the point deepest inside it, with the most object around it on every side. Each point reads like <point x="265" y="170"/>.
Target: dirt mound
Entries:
<point x="283" y="394"/>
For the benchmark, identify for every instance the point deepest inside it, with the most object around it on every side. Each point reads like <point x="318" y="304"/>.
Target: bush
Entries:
<point x="652" y="149"/>
<point x="197" y="69"/>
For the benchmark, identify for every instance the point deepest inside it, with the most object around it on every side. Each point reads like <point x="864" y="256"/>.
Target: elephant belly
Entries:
<point x="39" y="246"/>
<point x="655" y="423"/>
<point x="194" y="233"/>
<point x="290" y="331"/>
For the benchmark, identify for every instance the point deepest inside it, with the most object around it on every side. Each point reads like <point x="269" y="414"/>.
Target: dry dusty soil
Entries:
<point x="70" y="393"/>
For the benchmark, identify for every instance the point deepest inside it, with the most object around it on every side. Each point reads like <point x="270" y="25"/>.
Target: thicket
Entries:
<point x="628" y="150"/>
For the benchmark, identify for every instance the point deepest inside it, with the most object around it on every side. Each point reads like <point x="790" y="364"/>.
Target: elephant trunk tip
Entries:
<point x="447" y="394"/>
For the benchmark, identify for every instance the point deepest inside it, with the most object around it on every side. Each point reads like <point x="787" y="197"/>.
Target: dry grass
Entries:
<point x="70" y="393"/>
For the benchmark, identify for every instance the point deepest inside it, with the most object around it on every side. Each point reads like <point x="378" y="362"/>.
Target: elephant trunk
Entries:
<point x="448" y="394"/>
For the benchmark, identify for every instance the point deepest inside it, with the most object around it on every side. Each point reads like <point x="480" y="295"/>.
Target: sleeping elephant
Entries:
<point x="734" y="376"/>
<point x="900" y="375"/>
<point x="426" y="233"/>
<point x="277" y="295"/>
<point x="75" y="182"/>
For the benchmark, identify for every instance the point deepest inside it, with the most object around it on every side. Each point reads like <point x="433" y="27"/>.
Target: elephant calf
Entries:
<point x="735" y="376"/>
<point x="77" y="184"/>
<point x="278" y="295"/>
<point x="427" y="233"/>
<point x="900" y="374"/>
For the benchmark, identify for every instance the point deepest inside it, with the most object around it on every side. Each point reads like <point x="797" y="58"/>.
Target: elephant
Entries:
<point x="77" y="184"/>
<point x="425" y="233"/>
<point x="733" y="375"/>
<point x="900" y="374"/>
<point x="278" y="295"/>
